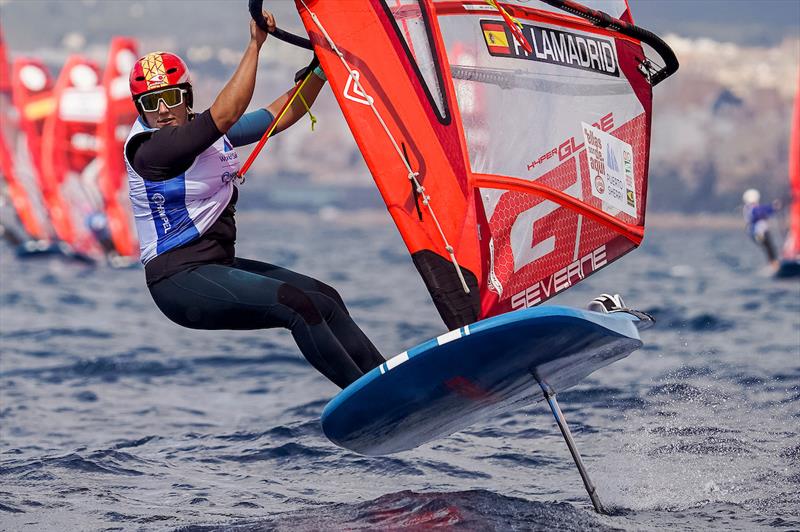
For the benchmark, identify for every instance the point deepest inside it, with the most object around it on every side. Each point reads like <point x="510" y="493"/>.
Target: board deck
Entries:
<point x="472" y="374"/>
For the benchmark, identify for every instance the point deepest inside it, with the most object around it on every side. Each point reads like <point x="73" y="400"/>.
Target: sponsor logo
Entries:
<point x="159" y="201"/>
<point x="556" y="47"/>
<point x="627" y="163"/>
<point x="354" y="91"/>
<point x="604" y="153"/>
<point x="229" y="156"/>
<point x="612" y="160"/>
<point x="600" y="184"/>
<point x="561" y="279"/>
<point x="569" y="147"/>
<point x="227" y="177"/>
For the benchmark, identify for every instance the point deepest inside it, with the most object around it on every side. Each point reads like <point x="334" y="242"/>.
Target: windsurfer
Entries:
<point x="756" y="216"/>
<point x="181" y="171"/>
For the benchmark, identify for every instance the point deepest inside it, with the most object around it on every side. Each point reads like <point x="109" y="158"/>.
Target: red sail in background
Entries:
<point x="32" y="89"/>
<point x="69" y="152"/>
<point x="791" y="248"/>
<point x="533" y="166"/>
<point x="20" y="194"/>
<point x="113" y="130"/>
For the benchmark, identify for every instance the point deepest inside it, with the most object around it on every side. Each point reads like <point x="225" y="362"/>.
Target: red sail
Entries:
<point x="113" y="130"/>
<point x="32" y="89"/>
<point x="418" y="112"/>
<point x="69" y="153"/>
<point x="511" y="175"/>
<point x="20" y="194"/>
<point x="791" y="248"/>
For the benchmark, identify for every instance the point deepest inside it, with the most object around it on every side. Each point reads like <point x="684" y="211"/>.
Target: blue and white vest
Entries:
<point x="175" y="211"/>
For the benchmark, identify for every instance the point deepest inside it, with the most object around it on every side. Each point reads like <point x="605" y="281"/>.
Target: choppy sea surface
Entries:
<point x="113" y="418"/>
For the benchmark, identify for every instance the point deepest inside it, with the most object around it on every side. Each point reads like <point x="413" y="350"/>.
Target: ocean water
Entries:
<point x="113" y="418"/>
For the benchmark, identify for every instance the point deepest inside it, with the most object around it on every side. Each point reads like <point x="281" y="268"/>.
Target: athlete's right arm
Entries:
<point x="234" y="98"/>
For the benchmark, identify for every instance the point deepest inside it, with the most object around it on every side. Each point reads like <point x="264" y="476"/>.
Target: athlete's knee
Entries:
<point x="331" y="292"/>
<point x="299" y="302"/>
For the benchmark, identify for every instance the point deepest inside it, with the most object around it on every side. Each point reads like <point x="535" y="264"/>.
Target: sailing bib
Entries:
<point x="175" y="211"/>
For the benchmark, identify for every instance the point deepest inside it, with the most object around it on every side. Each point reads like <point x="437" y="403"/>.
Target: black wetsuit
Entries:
<point x="203" y="285"/>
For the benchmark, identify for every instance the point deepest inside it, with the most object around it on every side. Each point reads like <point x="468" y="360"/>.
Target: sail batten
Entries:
<point x="634" y="233"/>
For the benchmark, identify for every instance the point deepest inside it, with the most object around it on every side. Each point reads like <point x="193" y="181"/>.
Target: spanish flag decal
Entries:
<point x="496" y="38"/>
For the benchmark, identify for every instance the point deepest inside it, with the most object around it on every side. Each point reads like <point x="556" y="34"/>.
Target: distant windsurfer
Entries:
<point x="756" y="216"/>
<point x="181" y="171"/>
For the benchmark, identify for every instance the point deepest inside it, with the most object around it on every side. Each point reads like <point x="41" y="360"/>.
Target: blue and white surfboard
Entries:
<point x="473" y="374"/>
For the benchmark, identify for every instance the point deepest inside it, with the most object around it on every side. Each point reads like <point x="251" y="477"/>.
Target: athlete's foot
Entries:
<point x="608" y="304"/>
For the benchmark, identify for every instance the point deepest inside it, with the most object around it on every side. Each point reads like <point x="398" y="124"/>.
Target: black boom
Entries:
<point x="255" y="7"/>
<point x="604" y="20"/>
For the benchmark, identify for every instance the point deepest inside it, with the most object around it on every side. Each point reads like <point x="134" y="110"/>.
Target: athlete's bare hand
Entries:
<point x="256" y="33"/>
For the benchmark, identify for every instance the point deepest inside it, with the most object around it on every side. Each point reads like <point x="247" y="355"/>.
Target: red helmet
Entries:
<point x="157" y="70"/>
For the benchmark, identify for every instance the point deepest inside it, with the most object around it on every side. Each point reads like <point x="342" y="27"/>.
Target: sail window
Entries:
<point x="411" y="23"/>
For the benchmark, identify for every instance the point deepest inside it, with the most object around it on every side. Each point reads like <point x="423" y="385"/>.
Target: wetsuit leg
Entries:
<point x="769" y="247"/>
<point x="361" y="350"/>
<point x="214" y="296"/>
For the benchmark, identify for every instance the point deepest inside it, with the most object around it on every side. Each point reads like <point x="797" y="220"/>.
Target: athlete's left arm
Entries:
<point x="250" y="127"/>
<point x="296" y="111"/>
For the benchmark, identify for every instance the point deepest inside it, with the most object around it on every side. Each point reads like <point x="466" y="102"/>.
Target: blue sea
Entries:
<point x="113" y="418"/>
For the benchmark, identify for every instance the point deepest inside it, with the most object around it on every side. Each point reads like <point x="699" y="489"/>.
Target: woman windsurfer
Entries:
<point x="181" y="167"/>
<point x="757" y="217"/>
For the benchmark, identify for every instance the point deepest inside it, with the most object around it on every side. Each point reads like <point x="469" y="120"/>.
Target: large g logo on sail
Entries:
<point x="526" y="245"/>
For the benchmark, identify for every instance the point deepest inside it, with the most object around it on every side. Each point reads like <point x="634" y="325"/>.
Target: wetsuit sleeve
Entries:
<point x="762" y="212"/>
<point x="171" y="150"/>
<point x="250" y="127"/>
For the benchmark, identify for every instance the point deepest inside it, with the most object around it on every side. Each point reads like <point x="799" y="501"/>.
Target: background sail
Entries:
<point x="499" y="138"/>
<point x="32" y="94"/>
<point x="70" y="167"/>
<point x="791" y="248"/>
<point x="120" y="114"/>
<point x="20" y="189"/>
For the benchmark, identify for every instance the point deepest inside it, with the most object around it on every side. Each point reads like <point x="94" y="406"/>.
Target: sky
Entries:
<point x="738" y="21"/>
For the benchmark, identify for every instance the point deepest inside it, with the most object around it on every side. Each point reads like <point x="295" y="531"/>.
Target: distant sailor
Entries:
<point x="757" y="218"/>
<point x="181" y="172"/>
